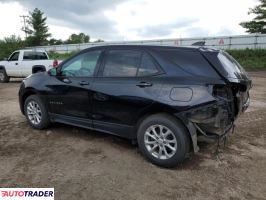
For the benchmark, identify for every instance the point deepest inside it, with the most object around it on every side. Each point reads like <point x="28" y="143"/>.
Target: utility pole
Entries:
<point x="24" y="21"/>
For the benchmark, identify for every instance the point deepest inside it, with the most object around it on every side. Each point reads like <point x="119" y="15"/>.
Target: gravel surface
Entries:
<point x="82" y="164"/>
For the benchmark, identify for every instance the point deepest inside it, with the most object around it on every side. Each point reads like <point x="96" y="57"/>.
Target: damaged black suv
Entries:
<point x="160" y="96"/>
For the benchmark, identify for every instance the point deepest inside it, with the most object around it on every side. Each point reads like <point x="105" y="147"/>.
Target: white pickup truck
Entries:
<point x="22" y="63"/>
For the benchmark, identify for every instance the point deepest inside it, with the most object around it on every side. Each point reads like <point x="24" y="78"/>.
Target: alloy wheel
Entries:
<point x="34" y="112"/>
<point x="160" y="142"/>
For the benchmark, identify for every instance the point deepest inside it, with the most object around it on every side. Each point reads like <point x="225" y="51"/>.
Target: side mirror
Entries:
<point x="52" y="72"/>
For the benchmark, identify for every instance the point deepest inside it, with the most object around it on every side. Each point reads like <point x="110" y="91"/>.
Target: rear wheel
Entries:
<point x="163" y="140"/>
<point x="3" y="76"/>
<point x="36" y="112"/>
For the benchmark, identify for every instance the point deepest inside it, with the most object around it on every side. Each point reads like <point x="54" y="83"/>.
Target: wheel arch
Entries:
<point x="6" y="77"/>
<point x="184" y="121"/>
<point x="2" y="67"/>
<point x="25" y="95"/>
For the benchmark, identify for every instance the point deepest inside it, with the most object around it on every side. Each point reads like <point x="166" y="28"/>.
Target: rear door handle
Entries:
<point x="144" y="84"/>
<point x="84" y="83"/>
<point x="16" y="63"/>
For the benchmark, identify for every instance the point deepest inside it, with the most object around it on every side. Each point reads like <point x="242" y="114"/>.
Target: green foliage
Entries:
<point x="10" y="44"/>
<point x="60" y="56"/>
<point x="55" y="42"/>
<point x="38" y="30"/>
<point x="78" y="38"/>
<point x="250" y="59"/>
<point x="258" y="24"/>
<point x="99" y="40"/>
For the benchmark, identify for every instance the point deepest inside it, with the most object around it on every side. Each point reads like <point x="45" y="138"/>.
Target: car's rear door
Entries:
<point x="70" y="92"/>
<point x="123" y="89"/>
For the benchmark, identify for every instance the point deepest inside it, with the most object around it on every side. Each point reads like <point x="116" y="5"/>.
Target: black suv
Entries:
<point x="160" y="96"/>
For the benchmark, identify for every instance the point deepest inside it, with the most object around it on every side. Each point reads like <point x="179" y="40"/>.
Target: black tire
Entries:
<point x="178" y="132"/>
<point x="3" y="76"/>
<point x="44" y="121"/>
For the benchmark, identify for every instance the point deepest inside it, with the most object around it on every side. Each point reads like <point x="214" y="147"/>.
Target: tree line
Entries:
<point x="37" y="34"/>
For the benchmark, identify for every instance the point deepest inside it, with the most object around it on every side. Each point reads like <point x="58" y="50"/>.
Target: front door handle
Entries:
<point x="84" y="83"/>
<point x="144" y="84"/>
<point x="66" y="80"/>
<point x="16" y="63"/>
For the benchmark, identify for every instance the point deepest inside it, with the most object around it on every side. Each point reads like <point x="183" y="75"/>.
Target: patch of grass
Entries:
<point x="250" y="59"/>
<point x="60" y="56"/>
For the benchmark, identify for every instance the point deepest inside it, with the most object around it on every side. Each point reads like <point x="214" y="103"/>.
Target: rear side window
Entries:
<point x="122" y="63"/>
<point x="31" y="55"/>
<point x="190" y="61"/>
<point x="147" y="66"/>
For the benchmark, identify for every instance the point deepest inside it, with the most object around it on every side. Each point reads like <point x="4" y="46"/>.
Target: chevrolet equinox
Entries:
<point x="163" y="97"/>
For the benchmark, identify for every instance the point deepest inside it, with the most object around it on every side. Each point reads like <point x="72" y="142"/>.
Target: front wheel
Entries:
<point x="163" y="140"/>
<point x="3" y="76"/>
<point x="36" y="112"/>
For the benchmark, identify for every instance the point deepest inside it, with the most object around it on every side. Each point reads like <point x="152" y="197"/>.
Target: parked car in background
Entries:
<point x="163" y="97"/>
<point x="22" y="63"/>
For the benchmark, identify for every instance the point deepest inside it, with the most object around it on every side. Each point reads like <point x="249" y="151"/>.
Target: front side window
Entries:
<point x="31" y="55"/>
<point x="147" y="66"/>
<point x="82" y="65"/>
<point x="122" y="63"/>
<point x="14" y="56"/>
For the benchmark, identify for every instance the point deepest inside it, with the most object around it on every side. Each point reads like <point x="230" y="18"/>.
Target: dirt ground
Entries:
<point x="82" y="164"/>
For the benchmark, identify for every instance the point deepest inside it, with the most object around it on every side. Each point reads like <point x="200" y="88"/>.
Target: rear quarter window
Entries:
<point x="190" y="61"/>
<point x="147" y="66"/>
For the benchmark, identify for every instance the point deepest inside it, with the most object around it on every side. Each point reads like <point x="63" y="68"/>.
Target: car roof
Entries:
<point x="141" y="46"/>
<point x="33" y="50"/>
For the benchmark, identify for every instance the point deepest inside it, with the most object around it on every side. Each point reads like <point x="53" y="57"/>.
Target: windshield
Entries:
<point x="232" y="67"/>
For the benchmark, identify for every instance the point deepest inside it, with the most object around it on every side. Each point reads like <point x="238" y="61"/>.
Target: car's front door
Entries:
<point x="70" y="91"/>
<point x="14" y="65"/>
<point x="122" y="90"/>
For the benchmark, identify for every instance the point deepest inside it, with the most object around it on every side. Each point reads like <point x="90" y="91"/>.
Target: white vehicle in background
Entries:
<point x="23" y="63"/>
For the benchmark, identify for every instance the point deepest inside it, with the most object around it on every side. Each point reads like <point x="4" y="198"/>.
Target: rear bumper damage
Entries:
<point x="215" y="120"/>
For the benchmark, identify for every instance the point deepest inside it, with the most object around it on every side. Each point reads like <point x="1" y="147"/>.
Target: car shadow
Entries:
<point x="191" y="163"/>
<point x="90" y="135"/>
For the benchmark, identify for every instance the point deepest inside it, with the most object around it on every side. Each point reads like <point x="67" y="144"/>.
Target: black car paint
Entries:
<point x="116" y="105"/>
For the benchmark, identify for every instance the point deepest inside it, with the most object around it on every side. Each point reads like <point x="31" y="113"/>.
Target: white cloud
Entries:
<point x="211" y="17"/>
<point x="10" y="21"/>
<point x="134" y="19"/>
